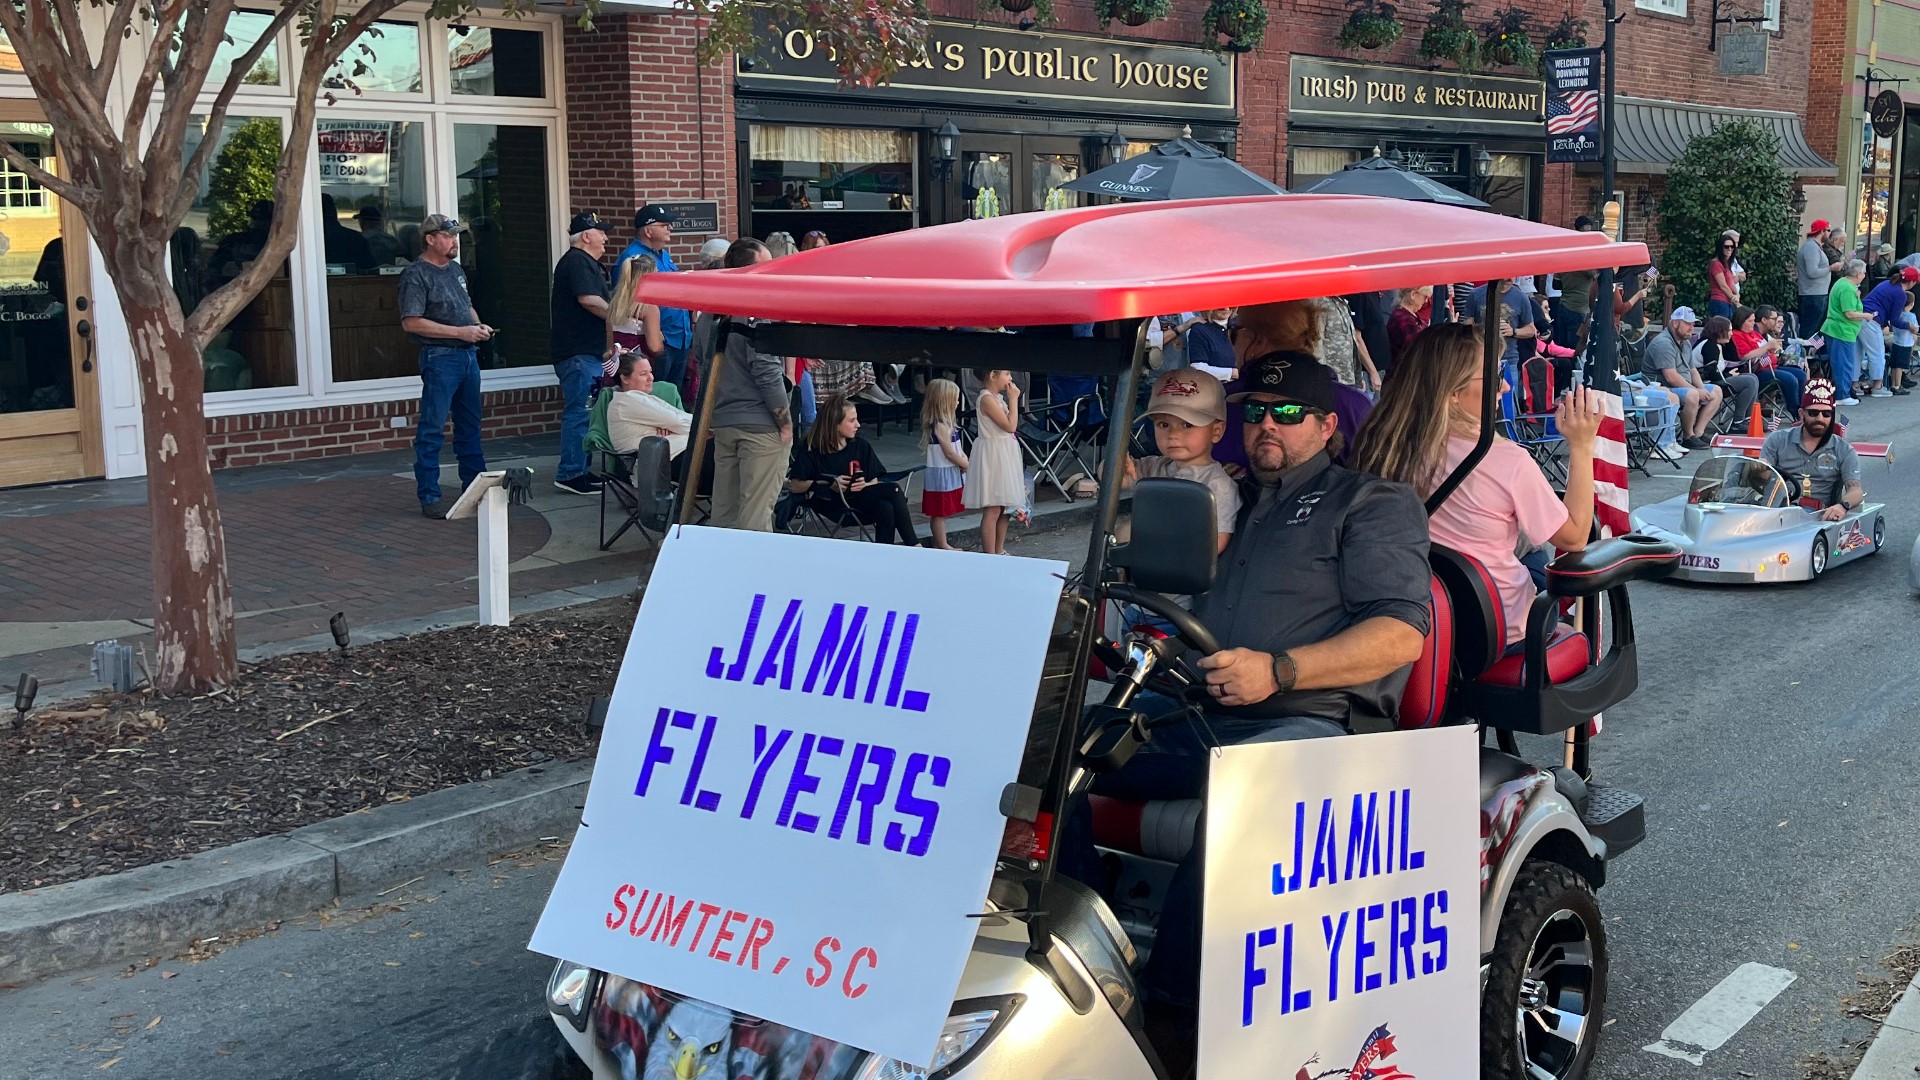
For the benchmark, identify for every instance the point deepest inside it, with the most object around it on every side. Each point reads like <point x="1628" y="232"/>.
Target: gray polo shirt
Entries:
<point x="1822" y="474"/>
<point x="1810" y="268"/>
<point x="1665" y="351"/>
<point x="1325" y="549"/>
<point x="439" y="294"/>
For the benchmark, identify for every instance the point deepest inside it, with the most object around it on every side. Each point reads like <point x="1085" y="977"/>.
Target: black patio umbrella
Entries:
<point x="1378" y="176"/>
<point x="1179" y="169"/>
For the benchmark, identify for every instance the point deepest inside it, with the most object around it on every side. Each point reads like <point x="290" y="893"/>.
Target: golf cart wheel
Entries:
<point x="1879" y="534"/>
<point x="1546" y="993"/>
<point x="1817" y="561"/>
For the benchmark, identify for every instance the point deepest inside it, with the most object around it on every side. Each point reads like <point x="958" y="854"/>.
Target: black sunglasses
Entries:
<point x="1283" y="412"/>
<point x="1823" y="413"/>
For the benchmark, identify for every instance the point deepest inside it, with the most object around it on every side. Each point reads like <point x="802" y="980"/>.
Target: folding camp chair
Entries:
<point x="629" y="482"/>
<point x="1046" y="437"/>
<point x="795" y="514"/>
<point x="1532" y="432"/>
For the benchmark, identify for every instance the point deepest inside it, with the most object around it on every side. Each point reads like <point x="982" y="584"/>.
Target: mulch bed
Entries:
<point x="121" y="781"/>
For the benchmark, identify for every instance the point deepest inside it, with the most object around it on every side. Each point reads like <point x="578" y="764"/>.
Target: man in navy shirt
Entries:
<point x="1516" y="308"/>
<point x="1209" y="346"/>
<point x="653" y="231"/>
<point x="577" y="341"/>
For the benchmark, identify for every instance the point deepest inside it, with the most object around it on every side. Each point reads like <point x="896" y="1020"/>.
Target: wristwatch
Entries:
<point x="1284" y="672"/>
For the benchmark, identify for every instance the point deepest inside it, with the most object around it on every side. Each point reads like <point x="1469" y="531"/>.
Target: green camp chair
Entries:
<point x="617" y="471"/>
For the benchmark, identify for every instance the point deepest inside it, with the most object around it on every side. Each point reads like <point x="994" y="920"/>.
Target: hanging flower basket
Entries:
<point x="1242" y="22"/>
<point x="1016" y="6"/>
<point x="1042" y="9"/>
<point x="1448" y="38"/>
<point x="1508" y="42"/>
<point x="1371" y="29"/>
<point x="1132" y="12"/>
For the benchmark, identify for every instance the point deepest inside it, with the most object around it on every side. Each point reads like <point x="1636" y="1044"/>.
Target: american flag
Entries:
<point x="1610" y="468"/>
<point x="1571" y="111"/>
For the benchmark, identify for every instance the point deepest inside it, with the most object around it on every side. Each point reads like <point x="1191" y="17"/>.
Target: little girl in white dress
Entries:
<point x="996" y="485"/>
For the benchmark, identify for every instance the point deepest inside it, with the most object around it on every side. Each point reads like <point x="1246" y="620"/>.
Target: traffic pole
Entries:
<point x="1603" y="362"/>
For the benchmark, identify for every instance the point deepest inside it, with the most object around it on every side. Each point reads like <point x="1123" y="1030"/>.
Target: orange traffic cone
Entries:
<point x="1756" y="428"/>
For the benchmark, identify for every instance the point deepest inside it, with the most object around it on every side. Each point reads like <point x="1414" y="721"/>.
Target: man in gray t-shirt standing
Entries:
<point x="1813" y="270"/>
<point x="438" y="315"/>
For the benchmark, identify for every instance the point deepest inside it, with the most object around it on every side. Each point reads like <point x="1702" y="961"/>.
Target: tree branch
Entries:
<point x="118" y="27"/>
<point x="67" y="17"/>
<point x="59" y="185"/>
<point x="187" y="185"/>
<point x="150" y="70"/>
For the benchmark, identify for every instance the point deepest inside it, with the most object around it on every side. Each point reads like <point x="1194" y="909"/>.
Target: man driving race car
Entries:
<point x="1820" y="465"/>
<point x="1320" y="606"/>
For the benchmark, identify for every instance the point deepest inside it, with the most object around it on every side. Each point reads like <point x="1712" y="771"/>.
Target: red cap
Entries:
<point x="1819" y="227"/>
<point x="1909" y="275"/>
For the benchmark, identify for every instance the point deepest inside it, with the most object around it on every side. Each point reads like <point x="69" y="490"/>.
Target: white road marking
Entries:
<point x="1719" y="1016"/>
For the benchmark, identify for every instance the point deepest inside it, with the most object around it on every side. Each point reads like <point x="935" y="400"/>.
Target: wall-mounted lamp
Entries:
<point x="1799" y="203"/>
<point x="1482" y="163"/>
<point x="1116" y="147"/>
<point x="1643" y="202"/>
<point x="946" y="149"/>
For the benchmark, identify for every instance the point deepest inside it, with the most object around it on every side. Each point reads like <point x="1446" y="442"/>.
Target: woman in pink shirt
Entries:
<point x="1426" y="422"/>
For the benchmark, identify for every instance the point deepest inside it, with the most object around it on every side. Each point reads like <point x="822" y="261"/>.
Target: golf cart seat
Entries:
<point x="1565" y="675"/>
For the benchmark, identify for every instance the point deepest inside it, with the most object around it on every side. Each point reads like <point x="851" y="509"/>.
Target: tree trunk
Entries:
<point x="192" y="598"/>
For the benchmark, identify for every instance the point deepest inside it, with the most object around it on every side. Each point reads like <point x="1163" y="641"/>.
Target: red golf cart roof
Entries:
<point x="1134" y="260"/>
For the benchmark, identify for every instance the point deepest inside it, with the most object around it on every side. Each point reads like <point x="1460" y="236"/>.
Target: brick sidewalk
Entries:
<point x="304" y="540"/>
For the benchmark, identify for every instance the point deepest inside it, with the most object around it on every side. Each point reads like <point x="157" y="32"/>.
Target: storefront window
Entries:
<point x="502" y="170"/>
<point x="1876" y="189"/>
<point x="386" y="60"/>
<point x="243" y="30"/>
<point x="802" y="174"/>
<point x="1050" y="171"/>
<point x="489" y="62"/>
<point x="373" y="180"/>
<point x="223" y="232"/>
<point x="36" y="359"/>
<point x="1312" y="164"/>
<point x="1510" y="185"/>
<point x="987" y="178"/>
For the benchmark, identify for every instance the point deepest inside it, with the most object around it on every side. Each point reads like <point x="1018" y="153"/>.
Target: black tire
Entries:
<point x="1817" y="558"/>
<point x="1879" y="534"/>
<point x="1551" y="907"/>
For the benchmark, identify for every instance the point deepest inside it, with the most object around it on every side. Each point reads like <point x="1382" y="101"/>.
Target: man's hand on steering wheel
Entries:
<point x="1239" y="676"/>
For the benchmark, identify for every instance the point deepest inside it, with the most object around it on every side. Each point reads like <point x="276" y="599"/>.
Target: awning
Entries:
<point x="1650" y="136"/>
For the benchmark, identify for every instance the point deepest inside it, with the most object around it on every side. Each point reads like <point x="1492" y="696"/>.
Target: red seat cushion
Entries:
<point x="1425" y="702"/>
<point x="1566" y="658"/>
<point x="1158" y="830"/>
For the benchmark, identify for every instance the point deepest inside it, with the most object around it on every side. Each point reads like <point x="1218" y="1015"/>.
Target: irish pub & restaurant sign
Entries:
<point x="1325" y="93"/>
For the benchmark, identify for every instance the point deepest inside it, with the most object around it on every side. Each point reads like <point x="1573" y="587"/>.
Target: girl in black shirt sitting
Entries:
<point x="838" y="472"/>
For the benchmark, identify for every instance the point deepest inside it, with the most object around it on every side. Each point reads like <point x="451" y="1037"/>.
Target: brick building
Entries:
<point x="1866" y="65"/>
<point x="515" y="124"/>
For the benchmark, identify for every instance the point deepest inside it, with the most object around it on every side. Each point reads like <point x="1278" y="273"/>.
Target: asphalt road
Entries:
<point x="1773" y="737"/>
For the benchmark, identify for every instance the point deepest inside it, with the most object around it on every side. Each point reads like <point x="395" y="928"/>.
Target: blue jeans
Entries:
<point x="1844" y="357"/>
<point x="671" y="365"/>
<point x="1792" y="381"/>
<point x="449" y="385"/>
<point x="808" y="406"/>
<point x="1719" y="307"/>
<point x="1813" y="313"/>
<point x="577" y="374"/>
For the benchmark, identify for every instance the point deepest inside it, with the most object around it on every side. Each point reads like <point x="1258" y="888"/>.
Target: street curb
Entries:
<point x="1895" y="1053"/>
<point x="164" y="906"/>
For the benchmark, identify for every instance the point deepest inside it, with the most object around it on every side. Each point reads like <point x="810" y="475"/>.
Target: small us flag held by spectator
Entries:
<point x="1575" y="110"/>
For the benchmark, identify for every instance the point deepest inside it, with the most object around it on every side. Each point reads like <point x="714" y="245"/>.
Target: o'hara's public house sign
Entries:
<point x="1378" y="95"/>
<point x="1002" y="66"/>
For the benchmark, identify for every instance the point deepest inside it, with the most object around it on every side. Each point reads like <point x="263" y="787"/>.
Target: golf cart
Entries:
<point x="1050" y="987"/>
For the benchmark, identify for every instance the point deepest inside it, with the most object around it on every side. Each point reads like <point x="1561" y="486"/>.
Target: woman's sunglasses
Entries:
<point x="1283" y="412"/>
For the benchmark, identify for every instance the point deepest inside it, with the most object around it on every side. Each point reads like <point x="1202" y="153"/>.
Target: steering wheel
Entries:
<point x="1179" y="679"/>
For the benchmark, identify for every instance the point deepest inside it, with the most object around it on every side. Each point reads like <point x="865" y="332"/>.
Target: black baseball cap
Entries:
<point x="584" y="222"/>
<point x="651" y="213"/>
<point x="1296" y="376"/>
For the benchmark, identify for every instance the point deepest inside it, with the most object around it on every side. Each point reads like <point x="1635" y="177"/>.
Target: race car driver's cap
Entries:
<point x="1191" y="395"/>
<point x="1293" y="375"/>
<point x="1818" y="392"/>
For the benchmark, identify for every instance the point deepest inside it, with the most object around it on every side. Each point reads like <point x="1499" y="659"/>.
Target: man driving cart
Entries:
<point x="1822" y="467"/>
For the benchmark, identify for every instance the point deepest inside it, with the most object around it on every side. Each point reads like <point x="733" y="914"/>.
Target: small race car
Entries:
<point x="1741" y="522"/>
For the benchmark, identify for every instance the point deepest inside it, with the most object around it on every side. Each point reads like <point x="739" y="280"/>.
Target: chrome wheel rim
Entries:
<point x="1554" y="1010"/>
<point x="1879" y="532"/>
<point x="1819" y="560"/>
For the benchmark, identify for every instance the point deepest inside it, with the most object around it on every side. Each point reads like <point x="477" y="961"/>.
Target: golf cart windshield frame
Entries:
<point x="884" y="300"/>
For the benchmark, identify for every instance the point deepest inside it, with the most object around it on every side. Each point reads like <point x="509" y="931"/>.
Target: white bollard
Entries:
<point x="486" y="500"/>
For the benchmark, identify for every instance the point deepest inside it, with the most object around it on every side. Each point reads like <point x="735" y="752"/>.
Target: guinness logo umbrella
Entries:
<point x="1180" y="169"/>
<point x="1378" y="176"/>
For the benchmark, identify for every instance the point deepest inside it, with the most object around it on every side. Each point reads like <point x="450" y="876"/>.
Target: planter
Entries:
<point x="1136" y="18"/>
<point x="1132" y="12"/>
<point x="1369" y="32"/>
<point x="1016" y="6"/>
<point x="1242" y="22"/>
